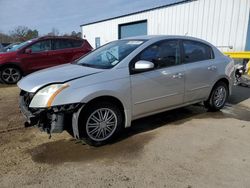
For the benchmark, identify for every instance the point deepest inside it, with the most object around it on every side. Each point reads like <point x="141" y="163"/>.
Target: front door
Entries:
<point x="162" y="87"/>
<point x="38" y="57"/>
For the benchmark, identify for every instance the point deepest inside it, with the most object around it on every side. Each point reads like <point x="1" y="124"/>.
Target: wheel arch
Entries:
<point x="126" y="113"/>
<point x="12" y="64"/>
<point x="113" y="99"/>
<point x="107" y="98"/>
<point x="225" y="80"/>
<point x="222" y="79"/>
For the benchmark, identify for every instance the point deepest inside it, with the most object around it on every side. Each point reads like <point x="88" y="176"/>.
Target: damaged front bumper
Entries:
<point x="51" y="120"/>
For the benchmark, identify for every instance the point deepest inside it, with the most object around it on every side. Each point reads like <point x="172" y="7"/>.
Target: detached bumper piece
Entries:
<point x="51" y="120"/>
<point x="24" y="101"/>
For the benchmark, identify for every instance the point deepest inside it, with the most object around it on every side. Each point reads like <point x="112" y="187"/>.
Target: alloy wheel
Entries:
<point x="220" y="96"/>
<point x="11" y="75"/>
<point x="101" y="124"/>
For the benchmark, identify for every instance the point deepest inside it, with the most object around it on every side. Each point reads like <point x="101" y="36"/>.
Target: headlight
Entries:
<point x="46" y="96"/>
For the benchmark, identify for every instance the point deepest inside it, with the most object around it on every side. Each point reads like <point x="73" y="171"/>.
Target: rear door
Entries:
<point x="200" y="70"/>
<point x="79" y="48"/>
<point x="62" y="51"/>
<point x="162" y="87"/>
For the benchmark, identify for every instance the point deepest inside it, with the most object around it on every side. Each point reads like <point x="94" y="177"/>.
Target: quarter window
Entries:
<point x="41" y="46"/>
<point x="76" y="43"/>
<point x="196" y="51"/>
<point x="162" y="54"/>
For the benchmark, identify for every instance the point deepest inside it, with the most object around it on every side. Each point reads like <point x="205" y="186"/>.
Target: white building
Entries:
<point x="224" y="23"/>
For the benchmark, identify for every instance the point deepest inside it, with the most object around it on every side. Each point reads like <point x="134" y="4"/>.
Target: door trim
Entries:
<point x="156" y="98"/>
<point x="166" y="109"/>
<point x="197" y="88"/>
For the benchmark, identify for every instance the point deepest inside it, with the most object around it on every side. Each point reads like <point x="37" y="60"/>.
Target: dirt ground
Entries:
<point x="187" y="147"/>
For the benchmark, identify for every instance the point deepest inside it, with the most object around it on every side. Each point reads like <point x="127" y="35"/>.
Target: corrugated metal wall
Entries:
<point x="221" y="22"/>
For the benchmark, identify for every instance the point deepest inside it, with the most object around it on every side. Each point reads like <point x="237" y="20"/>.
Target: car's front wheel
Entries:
<point x="218" y="97"/>
<point x="100" y="123"/>
<point x="10" y="75"/>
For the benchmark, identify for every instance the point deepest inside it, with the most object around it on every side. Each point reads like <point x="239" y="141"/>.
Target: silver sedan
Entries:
<point x="97" y="96"/>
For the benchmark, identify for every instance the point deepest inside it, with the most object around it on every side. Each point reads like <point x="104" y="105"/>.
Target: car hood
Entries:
<point x="6" y="55"/>
<point x="58" y="74"/>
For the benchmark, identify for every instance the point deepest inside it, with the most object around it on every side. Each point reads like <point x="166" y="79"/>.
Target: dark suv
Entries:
<point x="40" y="53"/>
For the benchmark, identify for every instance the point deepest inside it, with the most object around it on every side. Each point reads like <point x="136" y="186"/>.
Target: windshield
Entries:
<point x="7" y="48"/>
<point x="19" y="46"/>
<point x="110" y="54"/>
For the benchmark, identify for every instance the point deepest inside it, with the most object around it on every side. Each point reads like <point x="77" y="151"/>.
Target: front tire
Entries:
<point x="100" y="123"/>
<point x="10" y="75"/>
<point x="218" y="97"/>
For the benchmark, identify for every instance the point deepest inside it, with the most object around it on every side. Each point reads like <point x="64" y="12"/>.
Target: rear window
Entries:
<point x="66" y="43"/>
<point x="62" y="44"/>
<point x="196" y="51"/>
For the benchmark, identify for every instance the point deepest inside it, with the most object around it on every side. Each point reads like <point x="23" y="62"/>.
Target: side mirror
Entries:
<point x="28" y="51"/>
<point x="142" y="65"/>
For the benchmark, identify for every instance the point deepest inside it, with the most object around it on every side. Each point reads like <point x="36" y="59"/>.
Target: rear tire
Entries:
<point x="100" y="123"/>
<point x="10" y="74"/>
<point x="218" y="97"/>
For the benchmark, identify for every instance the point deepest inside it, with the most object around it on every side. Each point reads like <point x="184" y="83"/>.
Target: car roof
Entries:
<point x="59" y="37"/>
<point x="160" y="37"/>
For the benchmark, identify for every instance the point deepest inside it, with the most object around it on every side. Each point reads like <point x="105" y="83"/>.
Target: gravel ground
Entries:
<point x="187" y="147"/>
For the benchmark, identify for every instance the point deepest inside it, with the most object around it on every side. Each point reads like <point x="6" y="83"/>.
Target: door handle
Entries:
<point x="212" y="68"/>
<point x="178" y="75"/>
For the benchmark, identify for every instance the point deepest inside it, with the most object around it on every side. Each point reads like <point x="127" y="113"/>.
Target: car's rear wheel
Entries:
<point x="100" y="123"/>
<point x="10" y="75"/>
<point x="218" y="97"/>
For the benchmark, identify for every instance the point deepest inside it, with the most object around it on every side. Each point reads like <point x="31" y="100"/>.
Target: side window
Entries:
<point x="76" y="43"/>
<point x="60" y="44"/>
<point x="41" y="46"/>
<point x="162" y="54"/>
<point x="196" y="51"/>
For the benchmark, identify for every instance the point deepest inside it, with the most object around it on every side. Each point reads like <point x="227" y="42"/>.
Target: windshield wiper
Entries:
<point x="95" y="66"/>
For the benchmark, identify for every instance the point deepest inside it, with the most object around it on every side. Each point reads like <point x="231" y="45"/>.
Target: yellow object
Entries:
<point x="248" y="68"/>
<point x="241" y="55"/>
<point x="238" y="55"/>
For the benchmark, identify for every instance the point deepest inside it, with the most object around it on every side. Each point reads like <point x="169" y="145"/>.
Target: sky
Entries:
<point x="65" y="15"/>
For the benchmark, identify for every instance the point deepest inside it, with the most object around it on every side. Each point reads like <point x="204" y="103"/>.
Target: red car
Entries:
<point x="40" y="53"/>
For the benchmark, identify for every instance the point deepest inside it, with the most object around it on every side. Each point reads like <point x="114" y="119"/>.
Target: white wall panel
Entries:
<point x="221" y="22"/>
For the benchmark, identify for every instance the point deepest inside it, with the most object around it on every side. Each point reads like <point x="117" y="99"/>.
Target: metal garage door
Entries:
<point x="132" y="29"/>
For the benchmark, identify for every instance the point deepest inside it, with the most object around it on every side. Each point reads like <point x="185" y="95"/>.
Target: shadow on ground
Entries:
<point x="239" y="94"/>
<point x="5" y="85"/>
<point x="131" y="143"/>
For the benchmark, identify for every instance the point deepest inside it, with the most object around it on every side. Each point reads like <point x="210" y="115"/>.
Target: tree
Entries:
<point x="54" y="32"/>
<point x="75" y="34"/>
<point x="23" y="33"/>
<point x="31" y="34"/>
<point x="4" y="38"/>
<point x="19" y="33"/>
<point x="79" y="34"/>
